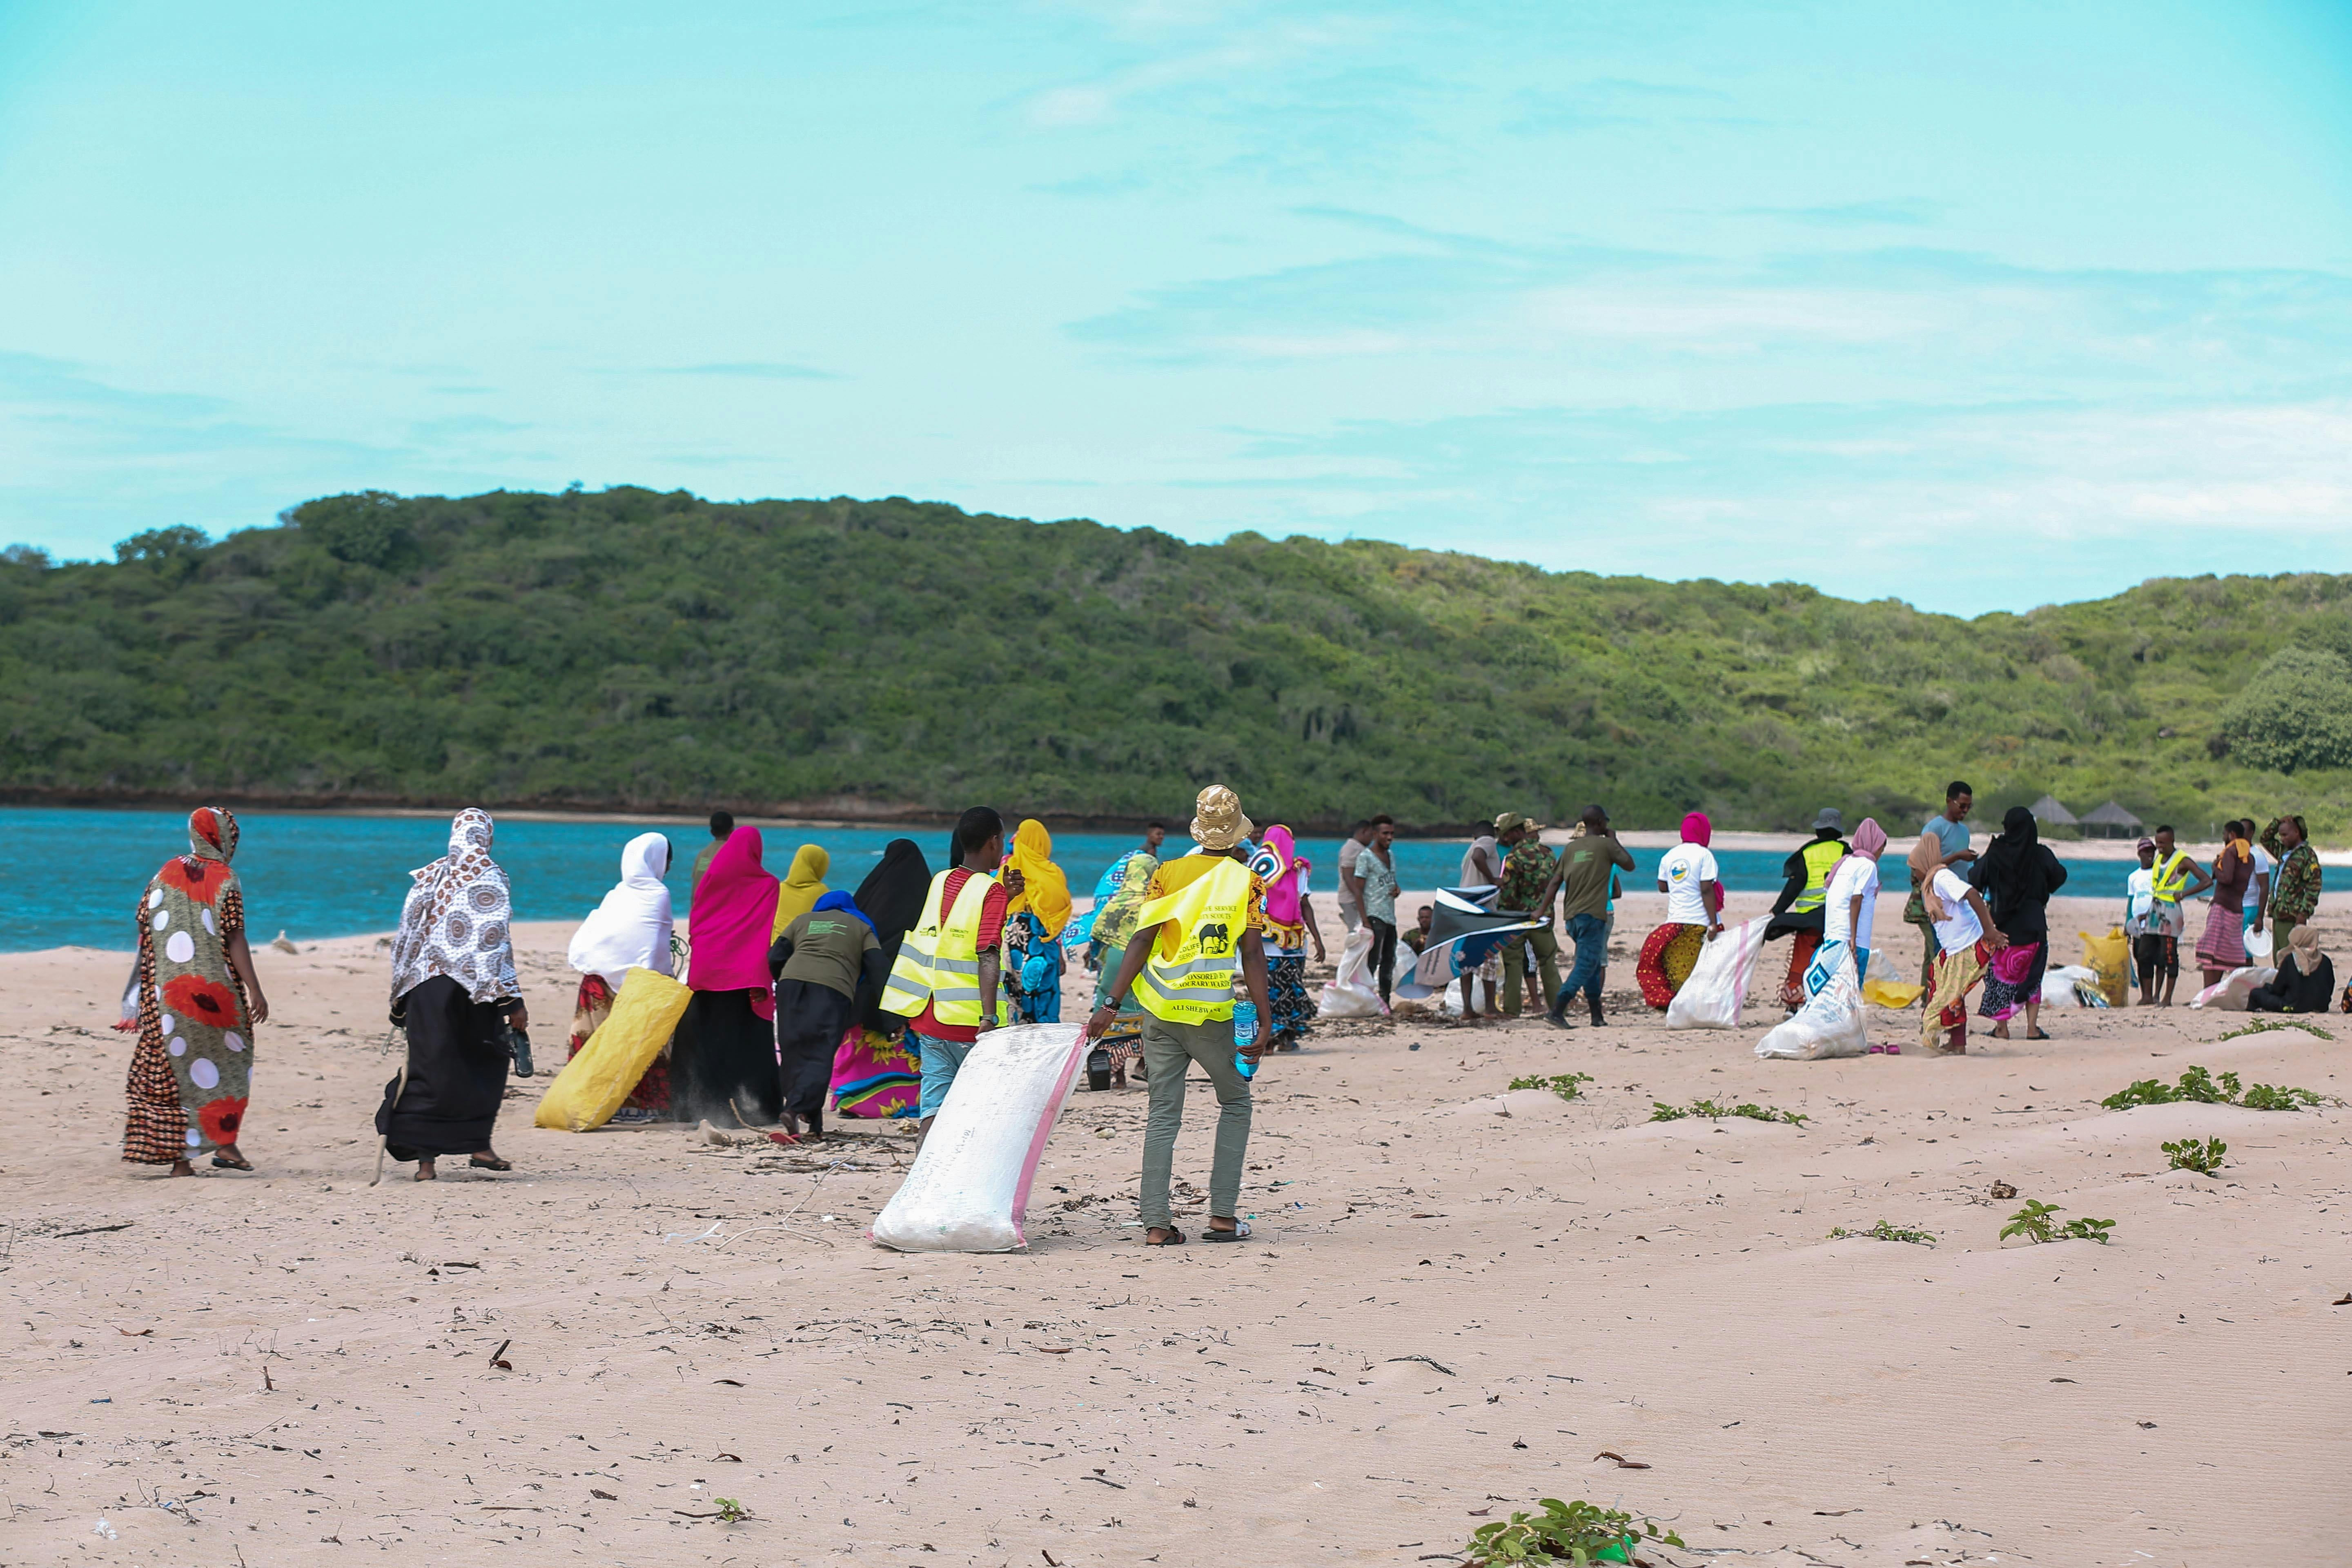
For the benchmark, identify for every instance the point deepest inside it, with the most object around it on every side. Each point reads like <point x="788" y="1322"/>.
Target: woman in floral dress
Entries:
<point x="198" y="1001"/>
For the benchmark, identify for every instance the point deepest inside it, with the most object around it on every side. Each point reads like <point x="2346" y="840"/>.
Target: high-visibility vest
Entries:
<point x="1194" y="985"/>
<point x="938" y="964"/>
<point x="1819" y="856"/>
<point x="2171" y="876"/>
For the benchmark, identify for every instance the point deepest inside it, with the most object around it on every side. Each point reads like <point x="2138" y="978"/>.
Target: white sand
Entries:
<point x="1582" y="1278"/>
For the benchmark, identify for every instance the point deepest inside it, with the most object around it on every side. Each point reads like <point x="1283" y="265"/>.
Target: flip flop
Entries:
<point x="221" y="1161"/>
<point x="1240" y="1232"/>
<point x="1175" y="1237"/>
<point x="479" y="1163"/>
<point x="2037" y="1034"/>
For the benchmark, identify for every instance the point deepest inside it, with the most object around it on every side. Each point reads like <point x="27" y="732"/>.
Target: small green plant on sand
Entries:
<point x="1661" y="1112"/>
<point x="2034" y="1223"/>
<point x="2204" y="1089"/>
<point x="1578" y="1532"/>
<point x="2272" y="1025"/>
<point x="2204" y="1158"/>
<point x="731" y="1511"/>
<point x="1564" y="1085"/>
<point x="1883" y="1231"/>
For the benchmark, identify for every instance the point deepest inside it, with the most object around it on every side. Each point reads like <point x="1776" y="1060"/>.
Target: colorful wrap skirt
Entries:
<point x="1667" y="959"/>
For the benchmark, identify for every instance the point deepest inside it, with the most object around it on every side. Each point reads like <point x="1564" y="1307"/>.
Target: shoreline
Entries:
<point x="790" y="814"/>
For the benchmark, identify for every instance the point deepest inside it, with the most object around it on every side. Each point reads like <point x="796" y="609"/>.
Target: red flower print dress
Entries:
<point x="194" y="1065"/>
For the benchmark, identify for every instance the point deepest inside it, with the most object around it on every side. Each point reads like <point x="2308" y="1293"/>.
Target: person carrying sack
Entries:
<point x="1198" y="929"/>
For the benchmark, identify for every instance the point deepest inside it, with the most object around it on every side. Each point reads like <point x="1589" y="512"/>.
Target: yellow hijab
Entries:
<point x="1045" y="893"/>
<point x="801" y="888"/>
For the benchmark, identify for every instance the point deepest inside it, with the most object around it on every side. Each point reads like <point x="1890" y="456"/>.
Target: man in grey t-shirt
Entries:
<point x="1949" y="829"/>
<point x="1351" y="881"/>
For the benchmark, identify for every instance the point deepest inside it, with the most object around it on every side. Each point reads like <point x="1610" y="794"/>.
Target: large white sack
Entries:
<point x="1710" y="998"/>
<point x="1833" y="1022"/>
<point x="2229" y="992"/>
<point x="969" y="1188"/>
<point x="1354" y="991"/>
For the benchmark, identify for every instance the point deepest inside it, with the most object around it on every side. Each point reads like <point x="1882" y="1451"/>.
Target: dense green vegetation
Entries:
<point x="633" y="649"/>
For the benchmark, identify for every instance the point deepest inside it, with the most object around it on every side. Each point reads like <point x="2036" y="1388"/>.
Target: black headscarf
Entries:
<point x="2017" y="874"/>
<point x="892" y="898"/>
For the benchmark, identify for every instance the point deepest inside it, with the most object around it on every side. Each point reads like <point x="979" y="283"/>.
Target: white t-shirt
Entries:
<point x="2139" y="898"/>
<point x="1855" y="874"/>
<point x="1473" y="874"/>
<point x="1686" y="866"/>
<point x="2262" y="863"/>
<point x="1963" y="930"/>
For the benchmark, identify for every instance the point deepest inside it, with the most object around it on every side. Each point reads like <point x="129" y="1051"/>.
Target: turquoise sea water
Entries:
<point x="74" y="875"/>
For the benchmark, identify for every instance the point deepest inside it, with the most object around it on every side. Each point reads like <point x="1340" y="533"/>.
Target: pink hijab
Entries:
<point x="734" y="912"/>
<point x="1282" y="888"/>
<point x="1868" y="839"/>
<point x="1698" y="829"/>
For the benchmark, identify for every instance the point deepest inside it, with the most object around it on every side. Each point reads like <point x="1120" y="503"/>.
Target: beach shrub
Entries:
<point x="1885" y="1231"/>
<point x="1661" y="1112"/>
<point x="1564" y="1085"/>
<point x="2189" y="1154"/>
<point x="1563" y="1533"/>
<point x="2034" y="1223"/>
<point x="2204" y="1089"/>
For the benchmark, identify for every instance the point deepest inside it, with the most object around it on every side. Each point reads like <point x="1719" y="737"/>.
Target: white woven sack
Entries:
<point x="1710" y="998"/>
<point x="969" y="1189"/>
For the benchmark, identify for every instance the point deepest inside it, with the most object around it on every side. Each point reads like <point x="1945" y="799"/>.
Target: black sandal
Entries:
<point x="1175" y="1236"/>
<point x="1240" y="1232"/>
<point x="223" y="1162"/>
<point x="493" y="1163"/>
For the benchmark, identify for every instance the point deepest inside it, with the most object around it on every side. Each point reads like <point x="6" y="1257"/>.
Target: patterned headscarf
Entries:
<point x="458" y="919"/>
<point x="1115" y="924"/>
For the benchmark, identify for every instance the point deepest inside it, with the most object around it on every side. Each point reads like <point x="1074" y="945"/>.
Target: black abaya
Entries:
<point x="810" y="1021"/>
<point x="457" y="1074"/>
<point x="892" y="896"/>
<point x="724" y="1051"/>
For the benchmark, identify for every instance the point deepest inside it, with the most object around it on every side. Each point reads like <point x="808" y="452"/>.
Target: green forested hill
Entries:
<point x="633" y="649"/>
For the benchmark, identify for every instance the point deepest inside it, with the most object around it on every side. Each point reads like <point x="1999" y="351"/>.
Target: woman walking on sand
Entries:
<point x="1694" y="889"/>
<point x="722" y="1061"/>
<point x="2017" y="875"/>
<point x="1033" y="919"/>
<point x="1289" y="922"/>
<point x="2223" y="947"/>
<point x="455" y="990"/>
<point x="630" y="929"/>
<point x="197" y="1001"/>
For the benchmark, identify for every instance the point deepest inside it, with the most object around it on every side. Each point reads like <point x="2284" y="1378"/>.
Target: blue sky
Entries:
<point x="1981" y="305"/>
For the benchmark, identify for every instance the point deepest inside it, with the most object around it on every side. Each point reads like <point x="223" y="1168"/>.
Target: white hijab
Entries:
<point x="631" y="928"/>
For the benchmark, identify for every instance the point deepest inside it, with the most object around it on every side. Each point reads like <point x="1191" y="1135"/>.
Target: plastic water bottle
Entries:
<point x="1244" y="1029"/>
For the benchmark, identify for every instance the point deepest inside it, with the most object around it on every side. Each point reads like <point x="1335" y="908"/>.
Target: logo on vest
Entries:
<point x="1216" y="939"/>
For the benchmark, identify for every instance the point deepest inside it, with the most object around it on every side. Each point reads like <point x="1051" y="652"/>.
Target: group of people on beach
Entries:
<point x="803" y="996"/>
<point x="806" y="999"/>
<point x="1983" y="916"/>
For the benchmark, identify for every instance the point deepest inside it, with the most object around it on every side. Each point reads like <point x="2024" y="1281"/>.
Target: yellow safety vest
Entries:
<point x="2169" y="876"/>
<point x="1819" y="856"/>
<point x="1195" y="984"/>
<point x="938" y="964"/>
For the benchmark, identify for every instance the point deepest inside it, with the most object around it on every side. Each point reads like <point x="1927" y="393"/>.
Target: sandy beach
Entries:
<point x="1459" y="1296"/>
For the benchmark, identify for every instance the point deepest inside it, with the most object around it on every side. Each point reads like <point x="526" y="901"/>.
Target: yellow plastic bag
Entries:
<point x="592" y="1084"/>
<point x="1889" y="993"/>
<point x="2109" y="957"/>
